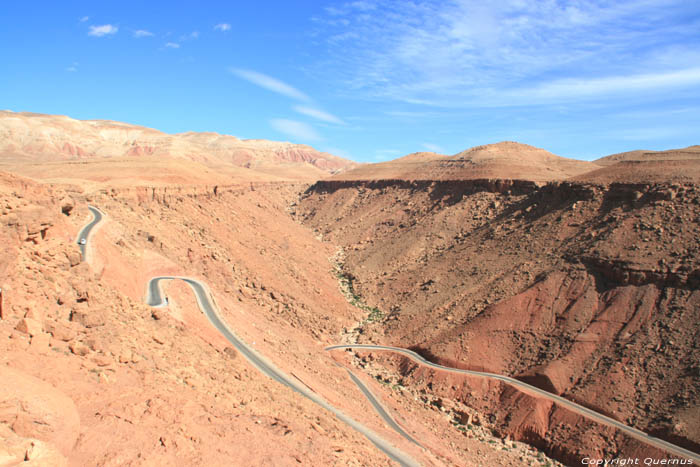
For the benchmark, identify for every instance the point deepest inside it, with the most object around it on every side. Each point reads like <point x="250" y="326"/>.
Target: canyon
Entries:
<point x="580" y="278"/>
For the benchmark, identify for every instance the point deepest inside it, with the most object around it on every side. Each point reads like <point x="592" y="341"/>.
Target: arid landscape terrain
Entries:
<point x="579" y="278"/>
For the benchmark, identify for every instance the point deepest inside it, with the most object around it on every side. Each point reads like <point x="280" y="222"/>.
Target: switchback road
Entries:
<point x="84" y="233"/>
<point x="154" y="298"/>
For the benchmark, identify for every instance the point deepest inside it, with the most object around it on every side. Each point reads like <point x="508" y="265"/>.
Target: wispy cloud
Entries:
<point x="578" y="88"/>
<point x="223" y="27"/>
<point x="299" y="131"/>
<point x="270" y="83"/>
<point x="142" y="33"/>
<point x="103" y="30"/>
<point x="83" y="19"/>
<point x="73" y="68"/>
<point x="469" y="52"/>
<point x="318" y="114"/>
<point x="172" y="45"/>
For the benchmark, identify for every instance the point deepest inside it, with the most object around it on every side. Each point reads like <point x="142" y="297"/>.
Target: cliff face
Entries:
<point x="586" y="290"/>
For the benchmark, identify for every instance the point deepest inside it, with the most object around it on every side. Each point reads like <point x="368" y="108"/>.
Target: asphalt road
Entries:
<point x="85" y="231"/>
<point x="154" y="298"/>
<point x="586" y="412"/>
<point x="380" y="408"/>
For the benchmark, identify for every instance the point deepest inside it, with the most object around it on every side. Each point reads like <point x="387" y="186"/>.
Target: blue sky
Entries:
<point x="368" y="80"/>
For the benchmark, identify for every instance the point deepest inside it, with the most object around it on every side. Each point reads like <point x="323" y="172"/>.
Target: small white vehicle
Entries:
<point x="83" y="241"/>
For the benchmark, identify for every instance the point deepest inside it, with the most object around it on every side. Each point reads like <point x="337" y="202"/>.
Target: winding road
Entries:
<point x="155" y="298"/>
<point x="85" y="231"/>
<point x="581" y="410"/>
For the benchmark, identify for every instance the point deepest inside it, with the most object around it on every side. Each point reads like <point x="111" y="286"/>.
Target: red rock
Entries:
<point x="60" y="331"/>
<point x="79" y="348"/>
<point x="29" y="326"/>
<point x="90" y="318"/>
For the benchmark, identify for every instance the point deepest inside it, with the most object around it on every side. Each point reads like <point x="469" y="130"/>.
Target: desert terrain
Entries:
<point x="580" y="278"/>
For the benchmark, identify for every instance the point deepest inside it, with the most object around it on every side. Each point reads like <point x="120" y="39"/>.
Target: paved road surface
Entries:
<point x="586" y="412"/>
<point x="380" y="408"/>
<point x="155" y="299"/>
<point x="85" y="231"/>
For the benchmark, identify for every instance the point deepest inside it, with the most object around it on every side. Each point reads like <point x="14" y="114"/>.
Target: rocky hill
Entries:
<point x="28" y="138"/>
<point x="505" y="160"/>
<point x="672" y="166"/>
<point x="689" y="153"/>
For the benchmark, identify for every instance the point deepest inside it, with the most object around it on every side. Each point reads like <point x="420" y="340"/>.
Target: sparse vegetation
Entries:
<point x="345" y="282"/>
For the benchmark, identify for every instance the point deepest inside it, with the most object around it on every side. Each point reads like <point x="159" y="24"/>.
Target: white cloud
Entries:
<point x="300" y="131"/>
<point x="172" y="45"/>
<point x="433" y="147"/>
<point x="270" y="83"/>
<point x="460" y="52"/>
<point x="568" y="88"/>
<point x="83" y="19"/>
<point x="103" y="30"/>
<point x="318" y="114"/>
<point x="72" y="69"/>
<point x="142" y="33"/>
<point x="223" y="27"/>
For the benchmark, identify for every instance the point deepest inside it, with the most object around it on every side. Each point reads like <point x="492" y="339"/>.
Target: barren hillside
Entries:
<point x="505" y="160"/>
<point x="28" y="138"/>
<point x="125" y="383"/>
<point x="586" y="290"/>
<point x="672" y="166"/>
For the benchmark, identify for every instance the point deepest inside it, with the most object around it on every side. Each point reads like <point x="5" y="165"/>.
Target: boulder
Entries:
<point x="29" y="326"/>
<point x="78" y="348"/>
<point x="67" y="205"/>
<point x="230" y="352"/>
<point x="74" y="258"/>
<point x="90" y="318"/>
<point x="60" y="331"/>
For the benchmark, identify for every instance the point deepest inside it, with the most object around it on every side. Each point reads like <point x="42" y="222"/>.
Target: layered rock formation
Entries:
<point x="37" y="138"/>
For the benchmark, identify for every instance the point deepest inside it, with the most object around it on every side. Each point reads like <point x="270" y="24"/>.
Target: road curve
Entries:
<point x="586" y="412"/>
<point x="154" y="298"/>
<point x="85" y="231"/>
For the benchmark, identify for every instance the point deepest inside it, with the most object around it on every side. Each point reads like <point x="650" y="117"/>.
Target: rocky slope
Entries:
<point x="102" y="379"/>
<point x="587" y="290"/>
<point x="643" y="167"/>
<point x="689" y="153"/>
<point x="37" y="138"/>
